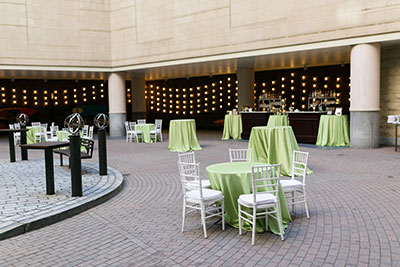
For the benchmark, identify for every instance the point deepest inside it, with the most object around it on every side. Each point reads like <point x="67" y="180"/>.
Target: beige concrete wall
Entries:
<point x="78" y="32"/>
<point x="162" y="30"/>
<point x="390" y="91"/>
<point x="55" y="32"/>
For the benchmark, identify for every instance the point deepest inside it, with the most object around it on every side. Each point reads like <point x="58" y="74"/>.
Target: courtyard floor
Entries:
<point x="354" y="202"/>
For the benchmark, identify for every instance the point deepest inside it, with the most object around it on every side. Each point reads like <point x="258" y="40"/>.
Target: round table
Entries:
<point x="182" y="136"/>
<point x="274" y="145"/>
<point x="145" y="128"/>
<point x="234" y="179"/>
<point x="333" y="131"/>
<point x="232" y="127"/>
<point x="278" y="120"/>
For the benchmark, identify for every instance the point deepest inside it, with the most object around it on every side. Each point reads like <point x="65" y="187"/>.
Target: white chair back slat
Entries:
<point x="187" y="157"/>
<point x="265" y="179"/>
<point x="85" y="131"/>
<point x="132" y="125"/>
<point x="90" y="134"/>
<point x="44" y="125"/>
<point x="35" y="124"/>
<point x="190" y="177"/>
<point x="127" y="126"/>
<point x="158" y="124"/>
<point x="299" y="164"/>
<point x="142" y="121"/>
<point x="237" y="155"/>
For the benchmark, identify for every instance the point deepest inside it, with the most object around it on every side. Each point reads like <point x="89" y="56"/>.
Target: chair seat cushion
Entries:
<point x="208" y="194"/>
<point x="261" y="199"/>
<point x="290" y="184"/>
<point x="52" y="139"/>
<point x="204" y="183"/>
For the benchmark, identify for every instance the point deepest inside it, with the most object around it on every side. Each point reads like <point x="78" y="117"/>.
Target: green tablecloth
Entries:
<point x="333" y="131"/>
<point x="30" y="135"/>
<point x="145" y="128"/>
<point x="62" y="135"/>
<point x="232" y="127"/>
<point x="182" y="136"/>
<point x="234" y="179"/>
<point x="278" y="120"/>
<point x="274" y="145"/>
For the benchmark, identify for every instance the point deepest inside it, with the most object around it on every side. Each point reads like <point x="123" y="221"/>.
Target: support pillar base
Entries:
<point x="117" y="124"/>
<point x="364" y="129"/>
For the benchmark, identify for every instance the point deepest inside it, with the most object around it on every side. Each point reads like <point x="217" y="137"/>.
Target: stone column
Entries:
<point x="138" y="97"/>
<point x="245" y="77"/>
<point x="117" y="103"/>
<point x="365" y="89"/>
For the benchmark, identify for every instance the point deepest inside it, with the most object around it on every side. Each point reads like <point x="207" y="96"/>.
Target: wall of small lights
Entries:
<point x="51" y="100"/>
<point x="203" y="98"/>
<point x="298" y="87"/>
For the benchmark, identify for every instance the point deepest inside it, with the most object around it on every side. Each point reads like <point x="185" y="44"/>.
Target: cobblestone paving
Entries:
<point x="353" y="200"/>
<point x="23" y="198"/>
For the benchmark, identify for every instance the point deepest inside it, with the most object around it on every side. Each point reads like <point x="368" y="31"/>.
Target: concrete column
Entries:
<point x="245" y="77"/>
<point x="117" y="103"/>
<point x="365" y="89"/>
<point x="139" y="109"/>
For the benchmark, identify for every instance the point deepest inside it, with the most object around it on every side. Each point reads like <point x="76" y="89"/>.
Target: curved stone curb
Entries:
<point x="105" y="188"/>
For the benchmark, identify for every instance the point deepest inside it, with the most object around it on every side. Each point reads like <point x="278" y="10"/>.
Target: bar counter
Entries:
<point x="304" y="123"/>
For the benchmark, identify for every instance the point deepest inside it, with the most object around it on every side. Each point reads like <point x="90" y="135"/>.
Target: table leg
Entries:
<point x="24" y="151"/>
<point x="11" y="146"/>
<point x="48" y="157"/>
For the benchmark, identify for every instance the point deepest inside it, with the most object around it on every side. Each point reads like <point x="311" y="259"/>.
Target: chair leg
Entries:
<point x="253" y="229"/>
<point x="266" y="220"/>
<point x="240" y="219"/>
<point x="293" y="201"/>
<point x="223" y="215"/>
<point x="305" y="202"/>
<point x="161" y="137"/>
<point x="203" y="219"/>
<point x="183" y="214"/>
<point x="278" y="215"/>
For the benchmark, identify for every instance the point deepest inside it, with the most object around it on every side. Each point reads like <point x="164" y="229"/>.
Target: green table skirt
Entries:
<point x="182" y="136"/>
<point x="234" y="179"/>
<point x="278" y="120"/>
<point x="333" y="131"/>
<point x="232" y="127"/>
<point x="145" y="128"/>
<point x="274" y="145"/>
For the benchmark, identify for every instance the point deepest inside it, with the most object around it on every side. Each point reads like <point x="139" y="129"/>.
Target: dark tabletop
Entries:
<point x="46" y="145"/>
<point x="13" y="130"/>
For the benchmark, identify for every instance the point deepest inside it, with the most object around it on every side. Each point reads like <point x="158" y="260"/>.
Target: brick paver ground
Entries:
<point x="24" y="204"/>
<point x="353" y="200"/>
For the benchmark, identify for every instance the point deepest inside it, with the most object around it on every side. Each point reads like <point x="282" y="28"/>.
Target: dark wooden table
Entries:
<point x="11" y="141"/>
<point x="49" y="163"/>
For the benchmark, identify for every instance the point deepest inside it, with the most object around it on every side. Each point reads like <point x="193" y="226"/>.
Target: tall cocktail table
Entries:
<point x="182" y="136"/>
